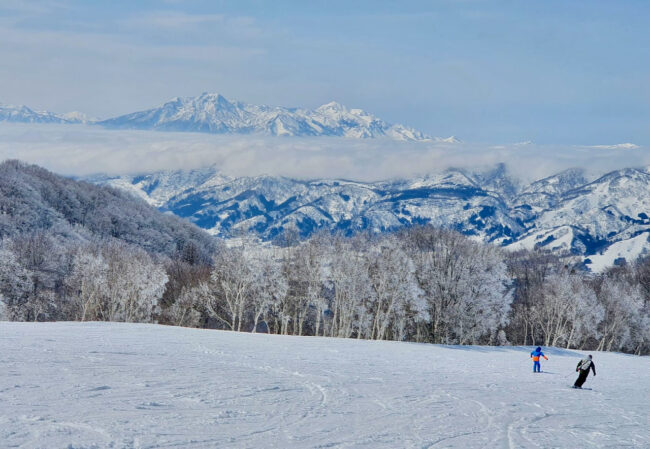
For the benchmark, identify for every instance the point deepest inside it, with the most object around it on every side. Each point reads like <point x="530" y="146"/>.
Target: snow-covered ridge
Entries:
<point x="213" y="113"/>
<point x="23" y="114"/>
<point x="135" y="385"/>
<point x="565" y="213"/>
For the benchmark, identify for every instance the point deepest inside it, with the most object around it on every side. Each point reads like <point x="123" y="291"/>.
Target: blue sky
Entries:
<point x="553" y="72"/>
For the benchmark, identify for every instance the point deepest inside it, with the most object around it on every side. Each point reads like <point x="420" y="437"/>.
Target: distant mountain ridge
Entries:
<point x="213" y="113"/>
<point x="23" y="114"/>
<point x="601" y="220"/>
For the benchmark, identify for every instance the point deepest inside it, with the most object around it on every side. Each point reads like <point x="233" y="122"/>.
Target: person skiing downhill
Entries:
<point x="583" y="367"/>
<point x="535" y="355"/>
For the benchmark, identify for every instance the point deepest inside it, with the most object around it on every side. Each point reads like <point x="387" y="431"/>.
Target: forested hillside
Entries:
<point x="33" y="199"/>
<point x="71" y="250"/>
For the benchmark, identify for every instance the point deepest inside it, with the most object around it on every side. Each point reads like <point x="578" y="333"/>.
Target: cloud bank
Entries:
<point x="79" y="150"/>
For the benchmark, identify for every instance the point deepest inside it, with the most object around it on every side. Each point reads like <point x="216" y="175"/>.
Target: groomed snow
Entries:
<point x="96" y="385"/>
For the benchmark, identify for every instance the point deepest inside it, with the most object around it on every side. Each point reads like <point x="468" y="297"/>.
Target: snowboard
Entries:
<point x="576" y="388"/>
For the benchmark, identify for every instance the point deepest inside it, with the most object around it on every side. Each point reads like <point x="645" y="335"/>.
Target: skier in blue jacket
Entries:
<point x="535" y="355"/>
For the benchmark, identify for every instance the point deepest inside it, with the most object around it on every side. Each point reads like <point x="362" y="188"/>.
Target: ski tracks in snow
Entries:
<point x="96" y="385"/>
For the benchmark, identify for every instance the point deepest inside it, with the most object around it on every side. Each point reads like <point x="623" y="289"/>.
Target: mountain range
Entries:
<point x="213" y="113"/>
<point x="603" y="221"/>
<point x="23" y="114"/>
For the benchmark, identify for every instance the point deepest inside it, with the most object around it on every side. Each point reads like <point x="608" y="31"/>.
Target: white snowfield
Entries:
<point x="97" y="385"/>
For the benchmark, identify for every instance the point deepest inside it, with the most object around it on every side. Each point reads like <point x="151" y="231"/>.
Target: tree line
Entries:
<point x="420" y="284"/>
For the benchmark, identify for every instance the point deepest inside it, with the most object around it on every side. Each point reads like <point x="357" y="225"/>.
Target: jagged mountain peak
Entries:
<point x="215" y="99"/>
<point x="211" y="112"/>
<point x="214" y="113"/>
<point x="204" y="102"/>
<point x="333" y="106"/>
<point x="216" y="96"/>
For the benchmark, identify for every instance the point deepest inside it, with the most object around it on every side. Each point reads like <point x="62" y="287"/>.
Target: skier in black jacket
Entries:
<point x="583" y="367"/>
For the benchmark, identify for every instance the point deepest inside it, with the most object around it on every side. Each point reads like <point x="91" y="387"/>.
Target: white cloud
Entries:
<point x="618" y="146"/>
<point x="84" y="150"/>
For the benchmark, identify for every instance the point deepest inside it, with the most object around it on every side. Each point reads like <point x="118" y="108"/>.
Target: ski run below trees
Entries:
<point x="98" y="385"/>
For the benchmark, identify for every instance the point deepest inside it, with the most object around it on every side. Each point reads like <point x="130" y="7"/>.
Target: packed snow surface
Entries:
<point x="95" y="385"/>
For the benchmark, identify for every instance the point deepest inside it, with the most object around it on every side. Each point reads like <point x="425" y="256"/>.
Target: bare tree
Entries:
<point x="87" y="284"/>
<point x="568" y="312"/>
<point x="270" y="285"/>
<point x="349" y="278"/>
<point x="230" y="288"/>
<point x="396" y="292"/>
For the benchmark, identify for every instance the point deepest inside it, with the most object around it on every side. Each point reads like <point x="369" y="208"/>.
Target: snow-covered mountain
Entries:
<point x="564" y="213"/>
<point x="271" y="205"/>
<point x="23" y="114"/>
<point x="591" y="219"/>
<point x="215" y="114"/>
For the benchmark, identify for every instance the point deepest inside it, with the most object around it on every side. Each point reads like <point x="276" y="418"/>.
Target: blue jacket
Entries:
<point x="537" y="353"/>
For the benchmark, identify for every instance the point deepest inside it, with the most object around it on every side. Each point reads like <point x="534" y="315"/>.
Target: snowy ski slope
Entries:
<point x="97" y="385"/>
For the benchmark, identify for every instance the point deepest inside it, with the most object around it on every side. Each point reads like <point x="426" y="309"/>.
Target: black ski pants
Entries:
<point x="581" y="378"/>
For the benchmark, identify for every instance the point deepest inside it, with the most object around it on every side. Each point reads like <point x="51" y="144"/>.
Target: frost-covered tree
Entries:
<point x="623" y="306"/>
<point x="568" y="312"/>
<point x="484" y="295"/>
<point x="642" y="276"/>
<point x="184" y="311"/>
<point x="118" y="283"/>
<point x="270" y="286"/>
<point x="641" y="335"/>
<point x="312" y="260"/>
<point x="229" y="292"/>
<point x="397" y="299"/>
<point x="88" y="284"/>
<point x="15" y="286"/>
<point x="350" y="282"/>
<point x="465" y="284"/>
<point x="136" y="282"/>
<point x="38" y="258"/>
<point x="303" y="304"/>
<point x="529" y="271"/>
<point x="181" y="293"/>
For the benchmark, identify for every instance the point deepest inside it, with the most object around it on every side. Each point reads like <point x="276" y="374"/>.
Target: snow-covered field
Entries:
<point x="95" y="385"/>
